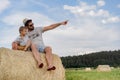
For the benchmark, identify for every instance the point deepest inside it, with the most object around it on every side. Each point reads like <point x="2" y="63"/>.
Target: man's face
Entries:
<point x="30" y="26"/>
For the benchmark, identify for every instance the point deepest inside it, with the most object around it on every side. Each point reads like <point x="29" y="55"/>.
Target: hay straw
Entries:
<point x="88" y="69"/>
<point x="103" y="68"/>
<point x="20" y="65"/>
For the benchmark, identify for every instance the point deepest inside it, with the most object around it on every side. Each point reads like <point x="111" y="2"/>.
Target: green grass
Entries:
<point x="80" y="74"/>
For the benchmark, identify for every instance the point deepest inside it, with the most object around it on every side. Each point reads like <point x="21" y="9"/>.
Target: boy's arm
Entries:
<point x="46" y="28"/>
<point x="15" y="44"/>
<point x="27" y="45"/>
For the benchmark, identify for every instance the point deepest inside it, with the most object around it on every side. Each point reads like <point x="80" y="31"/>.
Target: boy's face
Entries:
<point x="24" y="32"/>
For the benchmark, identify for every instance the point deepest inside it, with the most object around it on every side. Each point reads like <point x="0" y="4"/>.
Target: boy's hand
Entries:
<point x="64" y="22"/>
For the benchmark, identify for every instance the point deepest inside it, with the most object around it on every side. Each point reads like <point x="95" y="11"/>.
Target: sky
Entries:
<point x="94" y="25"/>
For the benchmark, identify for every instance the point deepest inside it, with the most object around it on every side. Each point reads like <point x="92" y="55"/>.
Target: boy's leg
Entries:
<point x="20" y="47"/>
<point x="48" y="52"/>
<point x="36" y="55"/>
<point x="14" y="45"/>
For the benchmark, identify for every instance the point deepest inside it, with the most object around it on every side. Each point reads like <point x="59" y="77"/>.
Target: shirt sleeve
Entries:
<point x="39" y="29"/>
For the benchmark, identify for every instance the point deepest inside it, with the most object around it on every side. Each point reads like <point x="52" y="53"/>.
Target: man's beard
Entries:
<point x="31" y="28"/>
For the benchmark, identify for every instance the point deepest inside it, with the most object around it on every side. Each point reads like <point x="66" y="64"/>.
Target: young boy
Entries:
<point x="22" y="42"/>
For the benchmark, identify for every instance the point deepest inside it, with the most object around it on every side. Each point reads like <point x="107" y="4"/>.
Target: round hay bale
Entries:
<point x="88" y="69"/>
<point x="112" y="67"/>
<point x="103" y="68"/>
<point x="20" y="65"/>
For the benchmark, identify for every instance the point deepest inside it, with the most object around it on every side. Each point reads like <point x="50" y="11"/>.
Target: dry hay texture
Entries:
<point x="103" y="68"/>
<point x="20" y="65"/>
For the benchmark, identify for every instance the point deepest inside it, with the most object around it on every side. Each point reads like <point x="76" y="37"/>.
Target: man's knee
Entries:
<point x="48" y="49"/>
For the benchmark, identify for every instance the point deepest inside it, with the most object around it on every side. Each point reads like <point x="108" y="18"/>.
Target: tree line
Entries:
<point x="111" y="58"/>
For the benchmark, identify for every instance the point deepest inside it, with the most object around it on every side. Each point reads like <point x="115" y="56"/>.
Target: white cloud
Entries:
<point x="101" y="3"/>
<point x="111" y="20"/>
<point x="4" y="4"/>
<point x="82" y="9"/>
<point x="85" y="10"/>
<point x="118" y="5"/>
<point x="99" y="13"/>
<point x="17" y="18"/>
<point x="103" y="13"/>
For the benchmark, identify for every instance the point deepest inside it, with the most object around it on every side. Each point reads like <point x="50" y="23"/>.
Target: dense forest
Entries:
<point x="111" y="58"/>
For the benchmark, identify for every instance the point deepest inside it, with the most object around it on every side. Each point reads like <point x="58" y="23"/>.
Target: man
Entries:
<point x="35" y="35"/>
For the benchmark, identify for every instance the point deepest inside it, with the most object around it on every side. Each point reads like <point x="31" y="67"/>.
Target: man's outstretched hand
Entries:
<point x="64" y="22"/>
<point x="46" y="28"/>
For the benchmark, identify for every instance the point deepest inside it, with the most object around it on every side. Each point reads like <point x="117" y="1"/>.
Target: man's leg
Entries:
<point x="36" y="55"/>
<point x="48" y="52"/>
